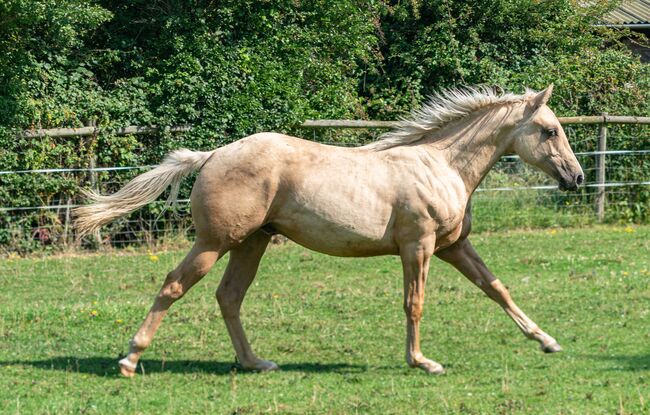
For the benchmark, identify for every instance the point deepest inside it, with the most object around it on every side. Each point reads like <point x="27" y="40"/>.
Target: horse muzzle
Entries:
<point x="572" y="183"/>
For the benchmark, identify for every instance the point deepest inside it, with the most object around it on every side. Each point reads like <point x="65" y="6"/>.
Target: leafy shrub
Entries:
<point x="239" y="67"/>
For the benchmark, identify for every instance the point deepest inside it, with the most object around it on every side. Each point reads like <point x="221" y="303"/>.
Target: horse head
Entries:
<point x="539" y="140"/>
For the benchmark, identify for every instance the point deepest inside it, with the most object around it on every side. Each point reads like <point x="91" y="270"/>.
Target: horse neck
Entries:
<point x="474" y="144"/>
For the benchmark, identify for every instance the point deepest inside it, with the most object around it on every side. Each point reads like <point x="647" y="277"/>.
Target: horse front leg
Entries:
<point x="415" y="262"/>
<point x="464" y="257"/>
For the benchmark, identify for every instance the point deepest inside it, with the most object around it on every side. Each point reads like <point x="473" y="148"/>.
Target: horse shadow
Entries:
<point x="107" y="367"/>
<point x="628" y="363"/>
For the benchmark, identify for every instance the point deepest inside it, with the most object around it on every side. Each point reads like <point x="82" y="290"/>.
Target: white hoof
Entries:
<point x="127" y="368"/>
<point x="428" y="366"/>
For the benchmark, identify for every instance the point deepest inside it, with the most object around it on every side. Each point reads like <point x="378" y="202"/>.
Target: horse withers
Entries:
<point x="407" y="194"/>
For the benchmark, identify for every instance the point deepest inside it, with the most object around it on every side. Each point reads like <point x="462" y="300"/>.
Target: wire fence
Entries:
<point x="512" y="195"/>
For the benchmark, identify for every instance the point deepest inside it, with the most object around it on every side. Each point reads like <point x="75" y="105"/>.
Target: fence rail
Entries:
<point x="134" y="129"/>
<point x="91" y="130"/>
<point x="591" y="119"/>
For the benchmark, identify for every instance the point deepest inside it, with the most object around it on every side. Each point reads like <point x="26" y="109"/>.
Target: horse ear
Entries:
<point x="541" y="98"/>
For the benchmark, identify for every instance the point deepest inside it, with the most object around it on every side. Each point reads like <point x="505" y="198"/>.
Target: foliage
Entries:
<point x="232" y="68"/>
<point x="428" y="45"/>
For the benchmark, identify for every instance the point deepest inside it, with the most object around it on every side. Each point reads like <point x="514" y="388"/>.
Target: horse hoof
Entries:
<point x="127" y="368"/>
<point x="552" y="348"/>
<point x="430" y="367"/>
<point x="262" y="366"/>
<point x="268" y="366"/>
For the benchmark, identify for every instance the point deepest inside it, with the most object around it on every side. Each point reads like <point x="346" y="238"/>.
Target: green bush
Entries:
<point x="232" y="68"/>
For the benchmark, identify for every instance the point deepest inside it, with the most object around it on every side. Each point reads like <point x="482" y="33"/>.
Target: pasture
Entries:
<point x="336" y="328"/>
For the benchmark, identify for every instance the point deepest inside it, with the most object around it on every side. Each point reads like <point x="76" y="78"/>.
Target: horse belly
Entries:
<point x="337" y="233"/>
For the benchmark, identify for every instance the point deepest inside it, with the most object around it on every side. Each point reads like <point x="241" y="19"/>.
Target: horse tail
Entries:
<point x="142" y="190"/>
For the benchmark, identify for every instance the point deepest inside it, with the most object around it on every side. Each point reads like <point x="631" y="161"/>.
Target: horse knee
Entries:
<point x="173" y="288"/>
<point x="416" y="314"/>
<point x="414" y="310"/>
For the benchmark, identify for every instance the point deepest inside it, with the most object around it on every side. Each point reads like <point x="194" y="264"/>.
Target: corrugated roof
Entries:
<point x="630" y="12"/>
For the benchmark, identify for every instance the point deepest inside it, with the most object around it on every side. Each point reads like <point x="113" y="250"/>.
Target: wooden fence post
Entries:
<point x="94" y="184"/>
<point x="601" y="196"/>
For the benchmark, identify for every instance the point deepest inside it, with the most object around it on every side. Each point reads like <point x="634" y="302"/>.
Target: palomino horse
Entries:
<point x="407" y="194"/>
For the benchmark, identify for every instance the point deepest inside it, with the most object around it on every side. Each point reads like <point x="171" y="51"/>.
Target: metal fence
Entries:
<point x="512" y="195"/>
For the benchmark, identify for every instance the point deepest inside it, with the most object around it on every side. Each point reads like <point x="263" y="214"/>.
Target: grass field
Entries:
<point x="336" y="328"/>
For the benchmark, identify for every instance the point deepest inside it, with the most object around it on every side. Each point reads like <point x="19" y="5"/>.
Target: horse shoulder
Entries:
<point x="432" y="198"/>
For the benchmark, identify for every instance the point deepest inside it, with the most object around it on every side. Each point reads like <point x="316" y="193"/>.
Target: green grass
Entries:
<point x="336" y="328"/>
<point x="529" y="209"/>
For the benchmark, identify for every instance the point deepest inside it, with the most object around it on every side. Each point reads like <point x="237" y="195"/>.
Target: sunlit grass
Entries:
<point x="336" y="328"/>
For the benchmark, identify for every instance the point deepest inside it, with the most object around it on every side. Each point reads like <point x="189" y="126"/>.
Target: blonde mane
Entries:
<point x="441" y="109"/>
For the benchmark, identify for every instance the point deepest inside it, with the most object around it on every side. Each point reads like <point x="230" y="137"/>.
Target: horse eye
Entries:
<point x="552" y="132"/>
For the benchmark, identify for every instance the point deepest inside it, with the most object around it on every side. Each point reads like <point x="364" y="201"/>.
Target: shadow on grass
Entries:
<point x="105" y="366"/>
<point x="628" y="363"/>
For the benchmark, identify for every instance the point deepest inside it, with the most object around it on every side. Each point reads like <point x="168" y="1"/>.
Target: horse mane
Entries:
<point x="441" y="109"/>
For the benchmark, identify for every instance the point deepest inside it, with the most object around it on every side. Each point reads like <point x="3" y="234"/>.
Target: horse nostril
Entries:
<point x="579" y="179"/>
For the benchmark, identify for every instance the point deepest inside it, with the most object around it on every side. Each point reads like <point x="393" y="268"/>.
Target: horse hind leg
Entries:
<point x="240" y="272"/>
<point x="195" y="266"/>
